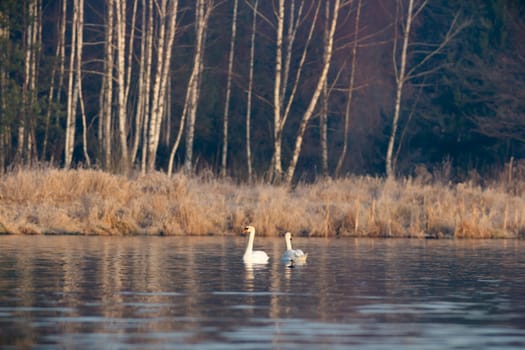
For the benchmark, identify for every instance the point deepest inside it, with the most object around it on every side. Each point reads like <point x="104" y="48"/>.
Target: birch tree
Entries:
<point x="168" y="25"/>
<point x="32" y="43"/>
<point x="323" y="116"/>
<point x="130" y="49"/>
<point x="402" y="72"/>
<point x="282" y="98"/>
<point x="182" y="121"/>
<point x="249" y="93"/>
<point x="78" y="79"/>
<point x="120" y="32"/>
<point x="56" y="87"/>
<point x="143" y="106"/>
<point x="277" y="99"/>
<point x="202" y="14"/>
<point x="73" y="87"/>
<point x="349" y="96"/>
<point x="327" y="57"/>
<point x="106" y="94"/>
<point x="143" y="84"/>
<point x="224" y="158"/>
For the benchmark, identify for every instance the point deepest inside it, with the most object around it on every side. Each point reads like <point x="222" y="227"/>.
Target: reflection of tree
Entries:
<point x="200" y="290"/>
<point x="275" y="281"/>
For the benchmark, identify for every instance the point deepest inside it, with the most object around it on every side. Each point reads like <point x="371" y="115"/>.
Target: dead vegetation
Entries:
<point x="90" y="202"/>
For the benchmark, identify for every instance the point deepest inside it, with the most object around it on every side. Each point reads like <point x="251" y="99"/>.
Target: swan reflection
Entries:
<point x="249" y="274"/>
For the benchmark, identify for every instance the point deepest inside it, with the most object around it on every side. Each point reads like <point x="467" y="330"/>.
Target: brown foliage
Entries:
<point x="52" y="201"/>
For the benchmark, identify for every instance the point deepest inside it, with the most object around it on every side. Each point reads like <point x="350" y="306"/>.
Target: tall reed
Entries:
<point x="91" y="202"/>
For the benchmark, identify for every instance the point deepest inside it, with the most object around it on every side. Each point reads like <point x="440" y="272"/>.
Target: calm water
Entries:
<point x="196" y="293"/>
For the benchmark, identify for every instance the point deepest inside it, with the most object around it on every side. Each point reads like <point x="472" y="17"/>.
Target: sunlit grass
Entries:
<point x="53" y="201"/>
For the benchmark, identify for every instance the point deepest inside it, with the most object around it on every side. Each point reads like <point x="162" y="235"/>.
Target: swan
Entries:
<point x="250" y="255"/>
<point x="294" y="255"/>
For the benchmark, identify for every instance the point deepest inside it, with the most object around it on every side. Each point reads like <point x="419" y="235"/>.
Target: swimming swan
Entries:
<point x="250" y="255"/>
<point x="294" y="255"/>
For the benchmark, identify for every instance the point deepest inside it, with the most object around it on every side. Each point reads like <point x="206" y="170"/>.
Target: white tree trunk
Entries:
<point x="84" y="127"/>
<point x="323" y="129"/>
<point x="137" y="116"/>
<point x="315" y="97"/>
<point x="32" y="152"/>
<point x="106" y="97"/>
<point x="403" y="74"/>
<point x="140" y="112"/>
<point x="154" y="115"/>
<point x="249" y="93"/>
<point x="78" y="71"/>
<point x="224" y="159"/>
<point x="202" y="15"/>
<point x="32" y="38"/>
<point x="60" y="56"/>
<point x="300" y="67"/>
<point x="164" y="49"/>
<point x="183" y="118"/>
<point x="294" y="21"/>
<point x="400" y="81"/>
<point x="71" y="91"/>
<point x="120" y="26"/>
<point x="346" y="128"/>
<point x="146" y="84"/>
<point x="277" y="97"/>
<point x="131" y="50"/>
<point x="323" y="116"/>
<point x="280" y="116"/>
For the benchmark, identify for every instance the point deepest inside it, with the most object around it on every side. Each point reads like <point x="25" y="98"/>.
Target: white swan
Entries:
<point x="250" y="255"/>
<point x="292" y="255"/>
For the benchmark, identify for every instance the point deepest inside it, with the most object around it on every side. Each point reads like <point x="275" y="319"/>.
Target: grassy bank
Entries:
<point x="97" y="203"/>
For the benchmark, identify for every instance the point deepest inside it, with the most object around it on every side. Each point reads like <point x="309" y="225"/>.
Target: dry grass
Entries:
<point x="52" y="201"/>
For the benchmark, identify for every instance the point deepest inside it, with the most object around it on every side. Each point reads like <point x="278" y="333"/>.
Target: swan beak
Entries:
<point x="244" y="230"/>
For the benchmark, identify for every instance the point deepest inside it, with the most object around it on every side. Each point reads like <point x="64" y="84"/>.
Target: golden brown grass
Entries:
<point x="53" y="201"/>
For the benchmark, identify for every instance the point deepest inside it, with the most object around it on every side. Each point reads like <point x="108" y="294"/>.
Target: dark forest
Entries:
<point x="272" y="90"/>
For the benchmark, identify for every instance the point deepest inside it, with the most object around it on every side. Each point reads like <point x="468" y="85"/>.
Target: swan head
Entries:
<point x="248" y="230"/>
<point x="288" y="235"/>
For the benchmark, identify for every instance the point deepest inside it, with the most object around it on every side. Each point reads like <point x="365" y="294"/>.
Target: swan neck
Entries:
<point x="249" y="247"/>
<point x="288" y="243"/>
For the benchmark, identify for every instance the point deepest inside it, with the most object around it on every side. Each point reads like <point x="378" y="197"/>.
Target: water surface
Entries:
<point x="61" y="292"/>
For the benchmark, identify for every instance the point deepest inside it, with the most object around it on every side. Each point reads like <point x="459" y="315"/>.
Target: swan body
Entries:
<point x="293" y="255"/>
<point x="250" y="255"/>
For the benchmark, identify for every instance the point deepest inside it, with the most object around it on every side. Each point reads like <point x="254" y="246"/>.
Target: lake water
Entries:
<point x="63" y="292"/>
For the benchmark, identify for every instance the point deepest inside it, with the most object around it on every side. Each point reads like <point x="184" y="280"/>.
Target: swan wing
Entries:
<point x="298" y="252"/>
<point x="293" y="254"/>
<point x="287" y="256"/>
<point x="296" y="255"/>
<point x="257" y="256"/>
